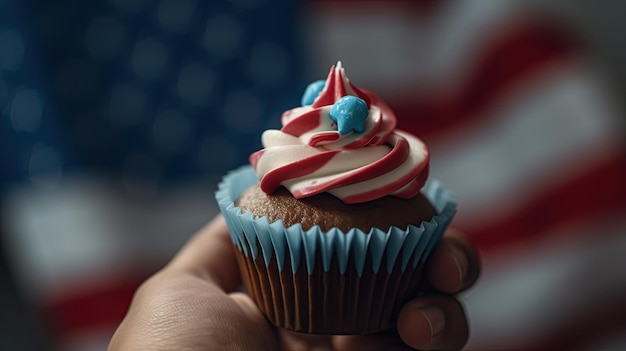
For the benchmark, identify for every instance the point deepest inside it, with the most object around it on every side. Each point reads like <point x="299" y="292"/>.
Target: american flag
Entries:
<point x="119" y="116"/>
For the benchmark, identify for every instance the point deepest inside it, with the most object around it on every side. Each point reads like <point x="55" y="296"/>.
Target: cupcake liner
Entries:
<point x="258" y="236"/>
<point x="330" y="282"/>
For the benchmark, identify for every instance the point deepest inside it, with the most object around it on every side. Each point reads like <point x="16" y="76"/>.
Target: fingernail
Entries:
<point x="460" y="259"/>
<point x="436" y="320"/>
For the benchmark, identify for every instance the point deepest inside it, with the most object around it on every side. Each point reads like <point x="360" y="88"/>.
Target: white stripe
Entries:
<point x="527" y="294"/>
<point x="395" y="54"/>
<point x="461" y="35"/>
<point x="88" y="231"/>
<point x="362" y="42"/>
<point x="550" y="129"/>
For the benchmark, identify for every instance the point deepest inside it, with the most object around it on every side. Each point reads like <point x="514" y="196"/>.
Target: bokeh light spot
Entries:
<point x="150" y="58"/>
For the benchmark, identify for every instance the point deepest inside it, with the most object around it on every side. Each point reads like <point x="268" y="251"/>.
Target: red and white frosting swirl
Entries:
<point x="309" y="156"/>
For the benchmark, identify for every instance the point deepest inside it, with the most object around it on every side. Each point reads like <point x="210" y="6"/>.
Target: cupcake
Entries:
<point x="333" y="219"/>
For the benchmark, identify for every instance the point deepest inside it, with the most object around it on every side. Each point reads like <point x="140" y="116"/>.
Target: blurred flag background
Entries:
<point x="119" y="116"/>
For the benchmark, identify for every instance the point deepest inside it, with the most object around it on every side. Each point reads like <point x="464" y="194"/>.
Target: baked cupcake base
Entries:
<point x="330" y="282"/>
<point x="329" y="302"/>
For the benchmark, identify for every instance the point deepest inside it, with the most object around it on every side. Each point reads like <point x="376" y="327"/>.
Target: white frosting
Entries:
<point x="309" y="156"/>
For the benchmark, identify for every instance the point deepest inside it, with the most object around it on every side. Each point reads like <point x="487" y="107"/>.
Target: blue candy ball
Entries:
<point x="350" y="113"/>
<point x="312" y="91"/>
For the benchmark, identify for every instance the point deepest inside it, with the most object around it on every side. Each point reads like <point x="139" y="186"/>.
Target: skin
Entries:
<point x="193" y="304"/>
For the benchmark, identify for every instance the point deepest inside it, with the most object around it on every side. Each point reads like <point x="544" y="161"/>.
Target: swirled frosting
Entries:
<point x="327" y="147"/>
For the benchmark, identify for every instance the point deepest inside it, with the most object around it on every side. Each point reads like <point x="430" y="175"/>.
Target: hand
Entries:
<point x="192" y="304"/>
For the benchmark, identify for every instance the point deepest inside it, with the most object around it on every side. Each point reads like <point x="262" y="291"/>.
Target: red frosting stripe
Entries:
<point x="309" y="156"/>
<point x="273" y="179"/>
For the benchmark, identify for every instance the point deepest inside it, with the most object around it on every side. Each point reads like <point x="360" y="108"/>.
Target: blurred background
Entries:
<point x="119" y="116"/>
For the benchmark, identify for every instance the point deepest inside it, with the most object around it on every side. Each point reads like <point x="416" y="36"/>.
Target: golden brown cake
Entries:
<point x="328" y="211"/>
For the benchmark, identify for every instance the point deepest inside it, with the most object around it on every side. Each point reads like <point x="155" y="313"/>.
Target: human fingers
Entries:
<point x="454" y="265"/>
<point x="187" y="306"/>
<point x="427" y="323"/>
<point x="209" y="255"/>
<point x="433" y="322"/>
<point x="172" y="311"/>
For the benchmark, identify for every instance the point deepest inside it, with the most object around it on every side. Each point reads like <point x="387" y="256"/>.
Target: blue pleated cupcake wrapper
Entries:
<point x="410" y="246"/>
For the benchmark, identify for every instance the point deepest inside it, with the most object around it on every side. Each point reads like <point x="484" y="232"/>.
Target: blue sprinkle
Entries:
<point x="312" y="91"/>
<point x="350" y="113"/>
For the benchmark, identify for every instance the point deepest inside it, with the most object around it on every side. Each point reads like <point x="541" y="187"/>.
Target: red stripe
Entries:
<point x="303" y="123"/>
<point x="98" y="307"/>
<point x="521" y="53"/>
<point x="418" y="174"/>
<point x="274" y="178"/>
<point x="255" y="157"/>
<point x="593" y="193"/>
<point x="333" y="90"/>
<point x="398" y="154"/>
<point x="321" y="138"/>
